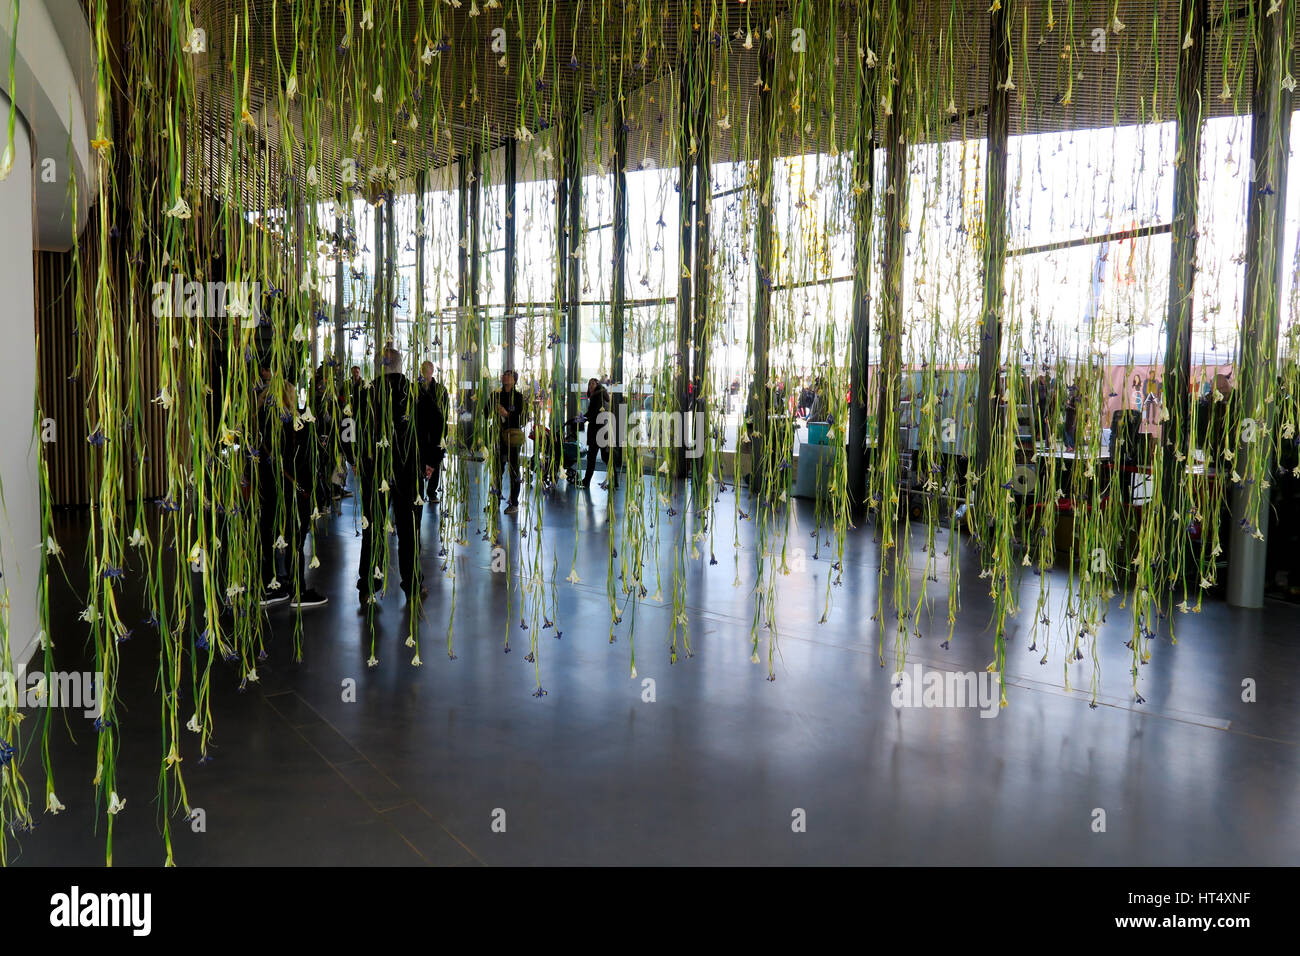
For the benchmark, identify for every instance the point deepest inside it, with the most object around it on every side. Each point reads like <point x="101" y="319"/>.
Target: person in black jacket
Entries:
<point x="508" y="412"/>
<point x="434" y="412"/>
<point x="285" y="480"/>
<point x="599" y="431"/>
<point x="393" y="455"/>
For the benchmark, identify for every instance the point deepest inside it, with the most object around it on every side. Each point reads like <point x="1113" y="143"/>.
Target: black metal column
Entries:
<point x="390" y="268"/>
<point x="340" y="272"/>
<point x="702" y="260"/>
<point x="860" y="344"/>
<point x="618" y="292"/>
<point x="464" y="296"/>
<point x="759" y="392"/>
<point x="987" y="419"/>
<point x="1193" y="21"/>
<point x="421" y="338"/>
<point x="559" y="363"/>
<point x="686" y="218"/>
<point x="471" y="300"/>
<point x="380" y="278"/>
<point x="898" y="61"/>
<point x="573" y="167"/>
<point x="512" y="191"/>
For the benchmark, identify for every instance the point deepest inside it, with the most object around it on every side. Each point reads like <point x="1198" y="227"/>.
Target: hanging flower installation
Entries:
<point x="938" y="234"/>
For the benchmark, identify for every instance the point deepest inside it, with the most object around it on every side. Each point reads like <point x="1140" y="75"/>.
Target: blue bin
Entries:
<point x="817" y="432"/>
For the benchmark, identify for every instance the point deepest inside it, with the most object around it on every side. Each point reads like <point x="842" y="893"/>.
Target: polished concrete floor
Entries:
<point x="712" y="771"/>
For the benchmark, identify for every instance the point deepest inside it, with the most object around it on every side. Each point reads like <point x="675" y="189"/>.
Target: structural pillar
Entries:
<point x="559" y="361"/>
<point x="759" y="405"/>
<point x="618" y="291"/>
<point x="421" y="337"/>
<point x="340" y="271"/>
<point x="381" y="279"/>
<point x="1271" y="105"/>
<point x="686" y="218"/>
<point x="470" y="297"/>
<point x="56" y="99"/>
<point x="18" y="452"/>
<point x="466" y="382"/>
<point x="512" y="191"/>
<point x="863" y="214"/>
<point x="987" y="418"/>
<point x="390" y="268"/>
<point x="702" y="263"/>
<point x="1193" y="18"/>
<point x="898" y="61"/>
<point x="573" y="331"/>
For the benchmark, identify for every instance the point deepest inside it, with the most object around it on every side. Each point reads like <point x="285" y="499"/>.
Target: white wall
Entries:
<point x="54" y="87"/>
<point x="20" y="516"/>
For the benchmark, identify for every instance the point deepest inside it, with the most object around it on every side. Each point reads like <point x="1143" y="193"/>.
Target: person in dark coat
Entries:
<point x="434" y="413"/>
<point x="600" y="432"/>
<point x="393" y="455"/>
<point x="508" y="408"/>
<point x="284" y="493"/>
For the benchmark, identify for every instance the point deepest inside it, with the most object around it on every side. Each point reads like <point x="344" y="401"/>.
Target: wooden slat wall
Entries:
<point x="64" y="381"/>
<point x="62" y="396"/>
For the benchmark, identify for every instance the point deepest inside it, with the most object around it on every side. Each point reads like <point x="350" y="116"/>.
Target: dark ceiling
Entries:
<point x="469" y="97"/>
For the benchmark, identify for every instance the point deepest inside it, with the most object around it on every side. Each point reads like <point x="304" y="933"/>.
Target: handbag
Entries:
<point x="514" y="437"/>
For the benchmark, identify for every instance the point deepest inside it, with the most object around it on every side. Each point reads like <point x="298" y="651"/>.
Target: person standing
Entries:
<point x="599" y="432"/>
<point x="508" y="409"/>
<point x="1043" y="397"/>
<point x="806" y="397"/>
<point x="818" y="403"/>
<point x="354" y="389"/>
<point x="285" y="481"/>
<point x="434" y="412"/>
<point x="393" y="455"/>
